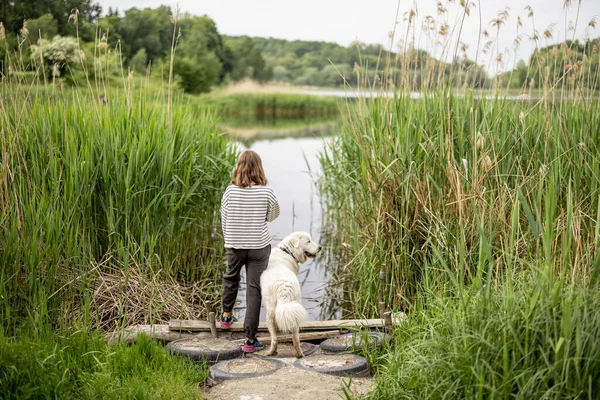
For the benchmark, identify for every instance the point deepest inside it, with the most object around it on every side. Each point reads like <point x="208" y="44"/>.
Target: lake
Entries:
<point x="291" y="165"/>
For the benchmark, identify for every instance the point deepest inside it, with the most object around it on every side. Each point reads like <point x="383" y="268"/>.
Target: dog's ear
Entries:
<point x="295" y="241"/>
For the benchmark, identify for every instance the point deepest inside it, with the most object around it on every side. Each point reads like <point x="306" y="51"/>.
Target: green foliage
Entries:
<point x="273" y="104"/>
<point x="204" y="59"/>
<point x="197" y="75"/>
<point x="92" y="182"/>
<point x="201" y="41"/>
<point x="81" y="365"/>
<point x="149" y="29"/>
<point x="527" y="339"/>
<point x="329" y="64"/>
<point x="46" y="24"/>
<point x="139" y="62"/>
<point x="248" y="60"/>
<point x="280" y="74"/>
<point x="14" y="12"/>
<point x="110" y="27"/>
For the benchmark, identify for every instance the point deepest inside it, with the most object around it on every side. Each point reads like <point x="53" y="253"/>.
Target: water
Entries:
<point x="291" y="166"/>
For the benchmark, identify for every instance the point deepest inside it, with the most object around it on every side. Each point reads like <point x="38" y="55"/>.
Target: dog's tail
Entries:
<point x="289" y="314"/>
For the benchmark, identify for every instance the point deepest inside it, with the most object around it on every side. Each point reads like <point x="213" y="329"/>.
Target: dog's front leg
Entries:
<point x="296" y="340"/>
<point x="273" y="331"/>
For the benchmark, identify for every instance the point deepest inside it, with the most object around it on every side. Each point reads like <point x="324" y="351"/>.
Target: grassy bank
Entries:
<point x="80" y="365"/>
<point x="270" y="105"/>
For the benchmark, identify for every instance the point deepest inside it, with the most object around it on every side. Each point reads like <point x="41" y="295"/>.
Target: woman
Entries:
<point x="247" y="205"/>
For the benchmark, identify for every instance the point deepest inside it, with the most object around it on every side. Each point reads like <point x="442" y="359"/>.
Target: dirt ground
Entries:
<point x="288" y="383"/>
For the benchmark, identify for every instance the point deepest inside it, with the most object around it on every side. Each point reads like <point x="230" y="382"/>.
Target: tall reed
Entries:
<point x="485" y="210"/>
<point x="458" y="183"/>
<point x="99" y="176"/>
<point x="458" y="179"/>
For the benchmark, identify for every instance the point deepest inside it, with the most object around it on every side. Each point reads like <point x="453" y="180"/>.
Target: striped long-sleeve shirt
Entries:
<point x="244" y="216"/>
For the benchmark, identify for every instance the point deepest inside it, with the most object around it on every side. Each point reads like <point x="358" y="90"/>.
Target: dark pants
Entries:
<point x="256" y="261"/>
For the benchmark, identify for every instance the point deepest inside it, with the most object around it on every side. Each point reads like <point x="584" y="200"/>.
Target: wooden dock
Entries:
<point x="309" y="330"/>
<point x="183" y="325"/>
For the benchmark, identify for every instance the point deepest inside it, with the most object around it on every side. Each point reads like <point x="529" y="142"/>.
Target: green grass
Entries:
<point x="486" y="214"/>
<point x="80" y="365"/>
<point x="528" y="339"/>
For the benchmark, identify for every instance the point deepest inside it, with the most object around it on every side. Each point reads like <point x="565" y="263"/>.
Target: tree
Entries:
<point x="199" y="36"/>
<point x="110" y="26"/>
<point x="249" y="62"/>
<point x="139" y="62"/>
<point x="280" y="74"/>
<point x="46" y="24"/>
<point x="197" y="75"/>
<point x="149" y="29"/>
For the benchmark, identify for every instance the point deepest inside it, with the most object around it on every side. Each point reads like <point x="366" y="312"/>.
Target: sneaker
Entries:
<point x="226" y="322"/>
<point x="250" y="347"/>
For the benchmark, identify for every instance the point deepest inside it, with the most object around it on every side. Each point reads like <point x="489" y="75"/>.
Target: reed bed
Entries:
<point x="117" y="183"/>
<point x="485" y="210"/>
<point x="474" y="189"/>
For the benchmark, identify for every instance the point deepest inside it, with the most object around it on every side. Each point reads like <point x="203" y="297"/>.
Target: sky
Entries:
<point x="371" y="21"/>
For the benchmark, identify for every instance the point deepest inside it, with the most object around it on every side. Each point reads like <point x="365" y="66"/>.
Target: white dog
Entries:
<point x="281" y="289"/>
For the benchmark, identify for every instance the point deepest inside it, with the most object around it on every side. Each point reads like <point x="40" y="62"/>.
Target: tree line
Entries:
<point x="141" y="40"/>
<point x="70" y="34"/>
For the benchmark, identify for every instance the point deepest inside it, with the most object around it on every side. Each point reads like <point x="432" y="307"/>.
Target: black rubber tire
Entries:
<point x="330" y="346"/>
<point x="307" y="350"/>
<point x="210" y="356"/>
<point x="218" y="374"/>
<point x="360" y="366"/>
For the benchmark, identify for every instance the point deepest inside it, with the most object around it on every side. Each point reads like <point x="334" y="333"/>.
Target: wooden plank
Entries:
<point x="159" y="332"/>
<point x="303" y="336"/>
<point x="200" y="326"/>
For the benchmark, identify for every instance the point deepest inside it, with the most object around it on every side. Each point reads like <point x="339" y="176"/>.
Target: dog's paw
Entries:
<point x="271" y="353"/>
<point x="299" y="355"/>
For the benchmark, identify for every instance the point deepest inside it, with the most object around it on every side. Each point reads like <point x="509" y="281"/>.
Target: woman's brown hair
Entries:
<point x="249" y="170"/>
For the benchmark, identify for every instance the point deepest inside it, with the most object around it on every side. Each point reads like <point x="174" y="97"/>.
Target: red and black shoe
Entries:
<point x="226" y="322"/>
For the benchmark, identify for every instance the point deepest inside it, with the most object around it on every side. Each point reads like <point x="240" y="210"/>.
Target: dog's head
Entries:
<point x="301" y="246"/>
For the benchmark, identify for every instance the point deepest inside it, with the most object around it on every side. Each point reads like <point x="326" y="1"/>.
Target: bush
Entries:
<point x="197" y="76"/>
<point x="531" y="339"/>
<point x="139" y="62"/>
<point x="81" y="365"/>
<point x="60" y="55"/>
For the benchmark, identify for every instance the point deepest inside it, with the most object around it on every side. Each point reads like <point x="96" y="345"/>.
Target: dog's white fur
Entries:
<point x="281" y="289"/>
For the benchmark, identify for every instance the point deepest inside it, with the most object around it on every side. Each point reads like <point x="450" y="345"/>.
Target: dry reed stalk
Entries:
<point x="129" y="297"/>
